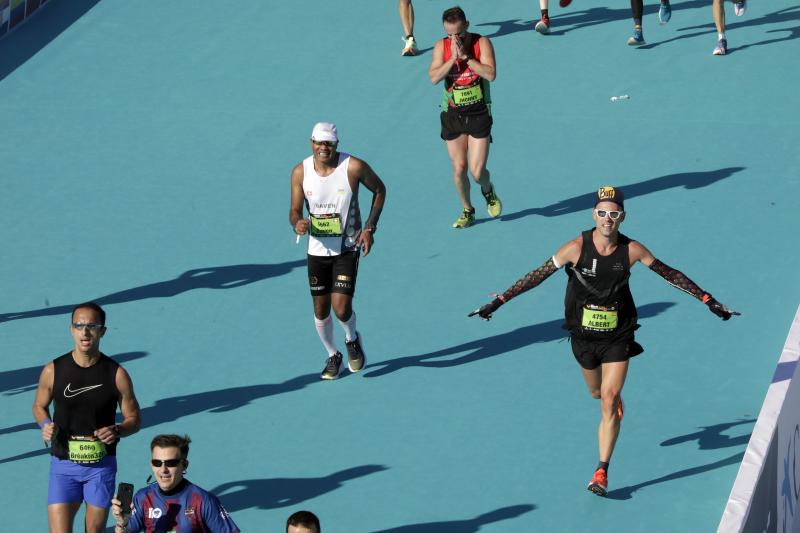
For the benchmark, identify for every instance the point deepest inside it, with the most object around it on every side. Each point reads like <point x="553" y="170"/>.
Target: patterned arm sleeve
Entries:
<point x="678" y="279"/>
<point x="530" y="280"/>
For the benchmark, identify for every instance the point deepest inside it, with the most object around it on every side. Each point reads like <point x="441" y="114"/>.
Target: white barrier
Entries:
<point x="766" y="494"/>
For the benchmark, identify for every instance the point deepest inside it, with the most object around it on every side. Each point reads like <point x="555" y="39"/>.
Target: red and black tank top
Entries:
<point x="464" y="91"/>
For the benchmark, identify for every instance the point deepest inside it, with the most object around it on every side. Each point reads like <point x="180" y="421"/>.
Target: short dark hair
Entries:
<point x="303" y="518"/>
<point x="454" y="14"/>
<point x="172" y="441"/>
<point x="93" y="306"/>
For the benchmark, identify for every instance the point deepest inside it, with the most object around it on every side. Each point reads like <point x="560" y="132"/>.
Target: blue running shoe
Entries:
<point x="722" y="47"/>
<point x="739" y="7"/>
<point x="664" y="12"/>
<point x="637" y="38"/>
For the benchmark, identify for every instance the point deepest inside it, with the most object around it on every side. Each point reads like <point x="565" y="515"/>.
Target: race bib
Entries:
<point x="467" y="96"/>
<point x="599" y="318"/>
<point x="85" y="449"/>
<point x="326" y="225"/>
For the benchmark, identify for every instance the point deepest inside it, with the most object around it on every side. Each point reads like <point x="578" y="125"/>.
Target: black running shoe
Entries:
<point x="355" y="354"/>
<point x="332" y="367"/>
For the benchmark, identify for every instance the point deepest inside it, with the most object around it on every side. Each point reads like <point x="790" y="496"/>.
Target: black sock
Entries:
<point x="544" y="13"/>
<point x="603" y="465"/>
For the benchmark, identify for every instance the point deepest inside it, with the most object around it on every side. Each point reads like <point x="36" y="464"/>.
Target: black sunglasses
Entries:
<point x="171" y="463"/>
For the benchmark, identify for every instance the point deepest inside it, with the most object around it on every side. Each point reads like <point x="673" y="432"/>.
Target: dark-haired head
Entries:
<point x="303" y="519"/>
<point x="94" y="307"/>
<point x="172" y="441"/>
<point x="453" y="15"/>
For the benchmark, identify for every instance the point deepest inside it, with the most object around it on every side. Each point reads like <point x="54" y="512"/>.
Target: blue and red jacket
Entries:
<point x="190" y="509"/>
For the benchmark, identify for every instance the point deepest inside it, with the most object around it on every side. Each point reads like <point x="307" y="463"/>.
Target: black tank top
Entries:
<point x="600" y="283"/>
<point x="84" y="399"/>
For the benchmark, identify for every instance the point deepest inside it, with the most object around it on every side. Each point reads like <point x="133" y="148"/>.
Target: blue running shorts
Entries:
<point x="72" y="483"/>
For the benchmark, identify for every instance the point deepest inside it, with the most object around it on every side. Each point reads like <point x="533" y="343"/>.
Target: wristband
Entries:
<point x="45" y="422"/>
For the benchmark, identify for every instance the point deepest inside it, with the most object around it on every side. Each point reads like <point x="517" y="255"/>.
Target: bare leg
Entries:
<point x="593" y="379"/>
<point x="61" y="515"/>
<point x="342" y="306"/>
<point x="718" y="10"/>
<point x="457" y="149"/>
<point x="407" y="17"/>
<point x="322" y="306"/>
<point x="478" y="154"/>
<point x="613" y="379"/>
<point x="96" y="518"/>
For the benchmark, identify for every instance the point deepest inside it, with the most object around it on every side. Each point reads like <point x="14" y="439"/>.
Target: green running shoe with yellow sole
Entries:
<point x="493" y="203"/>
<point x="466" y="219"/>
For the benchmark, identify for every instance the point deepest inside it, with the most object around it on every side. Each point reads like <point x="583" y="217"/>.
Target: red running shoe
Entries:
<point x="564" y="3"/>
<point x="599" y="483"/>
<point x="543" y="26"/>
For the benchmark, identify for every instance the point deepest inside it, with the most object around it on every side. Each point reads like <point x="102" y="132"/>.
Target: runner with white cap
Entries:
<point x="327" y="182"/>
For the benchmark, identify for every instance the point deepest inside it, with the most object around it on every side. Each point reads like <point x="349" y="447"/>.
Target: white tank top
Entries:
<point x="333" y="209"/>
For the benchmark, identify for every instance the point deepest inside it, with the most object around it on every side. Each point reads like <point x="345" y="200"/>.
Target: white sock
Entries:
<point x="720" y="36"/>
<point x="349" y="327"/>
<point x="325" y="332"/>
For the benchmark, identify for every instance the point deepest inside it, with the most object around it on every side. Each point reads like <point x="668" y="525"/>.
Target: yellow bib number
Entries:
<point x="85" y="450"/>
<point x="467" y="96"/>
<point x="326" y="225"/>
<point x="599" y="318"/>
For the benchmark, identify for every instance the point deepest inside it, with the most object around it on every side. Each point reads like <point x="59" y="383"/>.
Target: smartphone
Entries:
<point x="125" y="497"/>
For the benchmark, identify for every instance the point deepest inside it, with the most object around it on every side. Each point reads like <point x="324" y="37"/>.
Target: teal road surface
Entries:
<point x="145" y="164"/>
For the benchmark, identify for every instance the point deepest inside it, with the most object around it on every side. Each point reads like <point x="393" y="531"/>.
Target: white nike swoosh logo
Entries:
<point x="69" y="393"/>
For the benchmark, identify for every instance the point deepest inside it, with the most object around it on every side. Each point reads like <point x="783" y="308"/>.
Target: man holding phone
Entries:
<point x="172" y="503"/>
<point x="85" y="387"/>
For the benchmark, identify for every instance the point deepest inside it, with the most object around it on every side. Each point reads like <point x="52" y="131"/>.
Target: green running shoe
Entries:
<point x="355" y="354"/>
<point x="466" y="219"/>
<point x="493" y="203"/>
<point x="331" y="370"/>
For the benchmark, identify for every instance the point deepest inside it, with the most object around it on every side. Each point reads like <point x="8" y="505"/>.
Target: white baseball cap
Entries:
<point x="324" y="131"/>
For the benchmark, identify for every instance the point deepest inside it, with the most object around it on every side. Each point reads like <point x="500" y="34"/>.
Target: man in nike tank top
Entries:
<point x="327" y="183"/>
<point x="84" y="386"/>
<point x="464" y="61"/>
<point x="599" y="310"/>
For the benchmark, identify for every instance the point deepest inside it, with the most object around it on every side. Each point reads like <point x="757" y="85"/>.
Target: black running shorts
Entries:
<point x="454" y="125"/>
<point x="590" y="353"/>
<point x="333" y="273"/>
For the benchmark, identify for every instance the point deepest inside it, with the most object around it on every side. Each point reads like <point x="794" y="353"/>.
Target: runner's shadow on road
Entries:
<point x="218" y="401"/>
<point x="33" y="35"/>
<point x="687" y="180"/>
<point x="284" y="492"/>
<point x="177" y="407"/>
<point x="221" y="277"/>
<point x="27" y="379"/>
<point x="464" y="526"/>
<point x="626" y="493"/>
<point x="711" y="437"/>
<point x="784" y="15"/>
<point x="565" y="22"/>
<point x="491" y="346"/>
